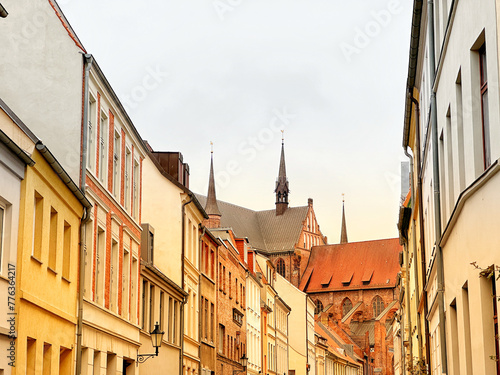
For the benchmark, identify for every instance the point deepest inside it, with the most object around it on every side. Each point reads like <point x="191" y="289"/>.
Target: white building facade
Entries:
<point x="456" y="86"/>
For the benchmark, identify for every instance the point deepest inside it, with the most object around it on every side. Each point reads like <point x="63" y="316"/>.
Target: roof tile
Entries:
<point x="353" y="262"/>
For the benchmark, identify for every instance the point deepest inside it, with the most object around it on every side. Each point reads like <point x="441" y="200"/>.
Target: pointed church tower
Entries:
<point x="211" y="207"/>
<point x="282" y="190"/>
<point x="343" y="231"/>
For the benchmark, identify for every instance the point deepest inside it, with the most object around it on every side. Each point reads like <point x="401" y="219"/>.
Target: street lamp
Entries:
<point x="156" y="339"/>
<point x="243" y="363"/>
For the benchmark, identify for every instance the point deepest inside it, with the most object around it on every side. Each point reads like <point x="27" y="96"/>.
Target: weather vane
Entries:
<point x="211" y="147"/>
<point x="343" y="198"/>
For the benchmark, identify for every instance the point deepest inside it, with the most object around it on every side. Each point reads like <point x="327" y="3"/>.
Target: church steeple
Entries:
<point x="343" y="231"/>
<point x="282" y="189"/>
<point x="211" y="207"/>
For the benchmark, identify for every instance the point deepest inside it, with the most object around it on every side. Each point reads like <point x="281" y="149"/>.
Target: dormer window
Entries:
<point x="346" y="281"/>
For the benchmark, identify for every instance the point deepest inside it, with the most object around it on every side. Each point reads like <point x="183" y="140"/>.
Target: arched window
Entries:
<point x="378" y="306"/>
<point x="280" y="267"/>
<point x="346" y="307"/>
<point x="319" y="307"/>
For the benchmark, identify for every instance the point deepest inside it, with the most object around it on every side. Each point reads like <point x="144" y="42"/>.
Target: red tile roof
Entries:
<point x="374" y="262"/>
<point x="334" y="341"/>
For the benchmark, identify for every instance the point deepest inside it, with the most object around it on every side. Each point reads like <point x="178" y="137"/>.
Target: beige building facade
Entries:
<point x="451" y="126"/>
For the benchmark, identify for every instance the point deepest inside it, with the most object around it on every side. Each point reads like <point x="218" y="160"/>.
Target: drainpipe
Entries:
<point x="199" y="294"/>
<point x="403" y="356"/>
<point x="183" y="245"/>
<point x="408" y="302"/>
<point x="422" y="242"/>
<point x="287" y="343"/>
<point x="437" y="197"/>
<point x="422" y="234"/>
<point x="88" y="59"/>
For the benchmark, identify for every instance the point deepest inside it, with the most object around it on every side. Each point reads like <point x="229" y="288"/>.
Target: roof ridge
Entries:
<point x="353" y="243"/>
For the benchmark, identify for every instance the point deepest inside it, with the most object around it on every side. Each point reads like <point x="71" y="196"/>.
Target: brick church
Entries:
<point x="354" y="285"/>
<point x="285" y="235"/>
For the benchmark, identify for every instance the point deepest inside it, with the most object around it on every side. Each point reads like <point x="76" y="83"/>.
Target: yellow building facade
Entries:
<point x="47" y="269"/>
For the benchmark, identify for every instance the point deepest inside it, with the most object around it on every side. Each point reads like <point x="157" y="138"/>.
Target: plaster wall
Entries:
<point x="42" y="77"/>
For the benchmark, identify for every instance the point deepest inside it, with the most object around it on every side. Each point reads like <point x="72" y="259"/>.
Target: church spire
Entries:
<point x="211" y="207"/>
<point x="281" y="189"/>
<point x="343" y="231"/>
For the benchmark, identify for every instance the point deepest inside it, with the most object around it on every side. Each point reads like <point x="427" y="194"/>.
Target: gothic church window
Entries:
<point x="280" y="266"/>
<point x="346" y="307"/>
<point x="378" y="306"/>
<point x="319" y="307"/>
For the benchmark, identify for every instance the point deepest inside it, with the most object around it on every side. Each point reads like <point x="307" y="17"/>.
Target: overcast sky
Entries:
<point x="235" y="72"/>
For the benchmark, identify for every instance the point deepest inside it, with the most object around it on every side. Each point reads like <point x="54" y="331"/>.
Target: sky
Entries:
<point x="331" y="74"/>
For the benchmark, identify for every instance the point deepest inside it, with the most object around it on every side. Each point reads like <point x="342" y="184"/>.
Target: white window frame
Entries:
<point x="91" y="132"/>
<point x="104" y="146"/>
<point x="117" y="163"/>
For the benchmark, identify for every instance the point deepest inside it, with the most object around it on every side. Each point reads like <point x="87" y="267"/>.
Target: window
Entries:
<point x="319" y="307"/>
<point x="66" y="251"/>
<point x="91" y="133"/>
<point x="37" y="227"/>
<point x="170" y="319"/>
<point x="47" y="357"/>
<point x="128" y="177"/>
<point x="133" y="291"/>
<point x="65" y="360"/>
<point x="174" y="330"/>
<point x="222" y="335"/>
<point x="135" y="192"/>
<point x="30" y="356"/>
<point x="378" y="306"/>
<point x="241" y="295"/>
<point x="206" y="319"/>
<point x="484" y="107"/>
<point x="116" y="164"/>
<point x="237" y="317"/>
<point x="162" y="307"/>
<point x="236" y="289"/>
<point x="346" y="307"/>
<point x="280" y="266"/>
<point x="103" y="150"/>
<point x="212" y="264"/>
<point x="100" y="262"/>
<point x="110" y="364"/>
<point x="220" y="276"/>
<point x="113" y="277"/>
<point x="144" y="288"/>
<point x="53" y="240"/>
<point x="89" y="257"/>
<point x="230" y="289"/>
<point x="125" y="282"/>
<point x="151" y="308"/>
<point x="212" y="321"/>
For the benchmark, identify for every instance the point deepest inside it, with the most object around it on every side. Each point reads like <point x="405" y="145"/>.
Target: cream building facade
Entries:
<point x="14" y="157"/>
<point x="268" y="296"/>
<point x="452" y="128"/>
<point x="193" y="217"/>
<point x="253" y="317"/>
<point x="281" y="317"/>
<point x="301" y="339"/>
